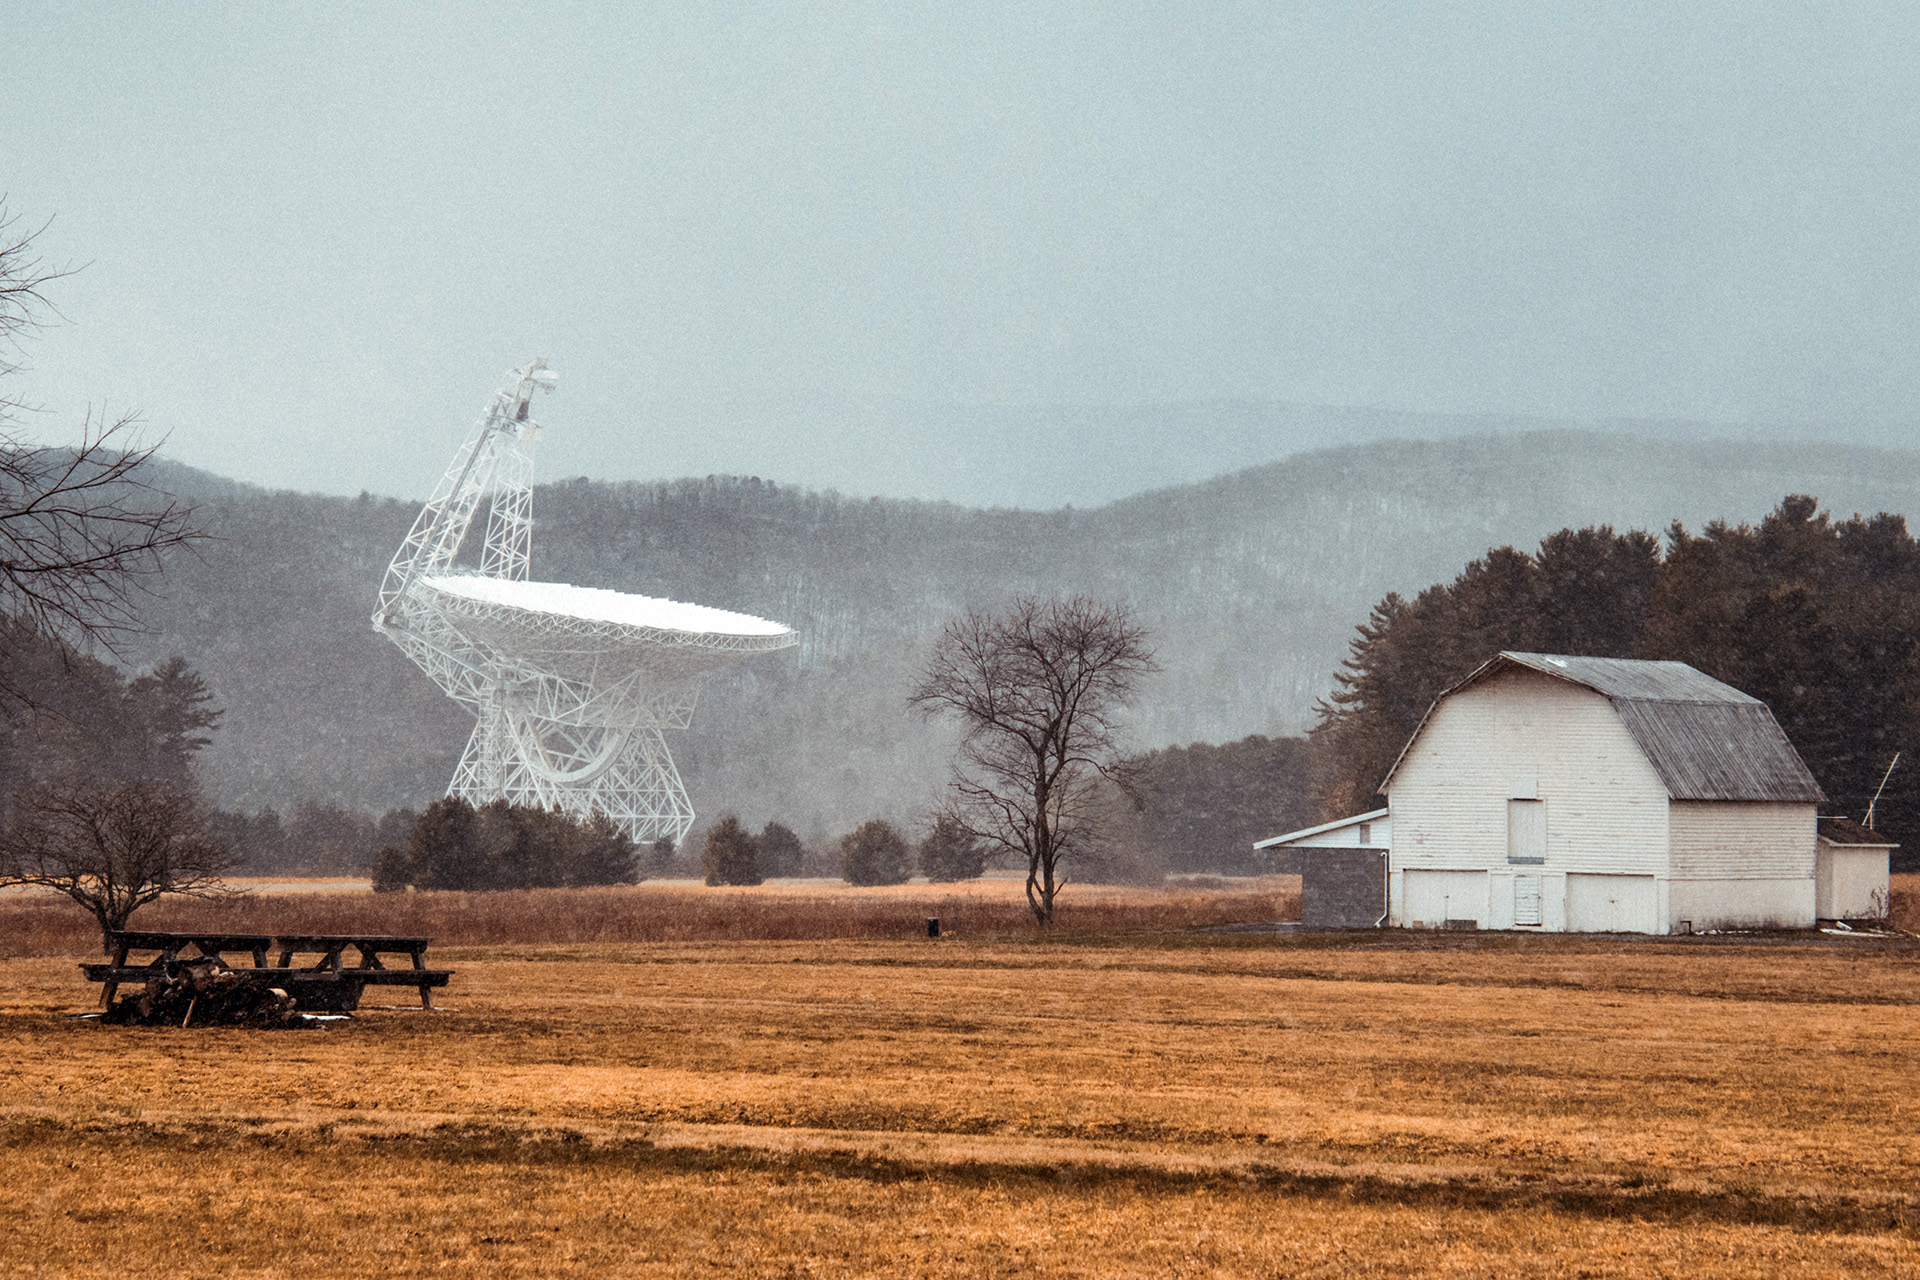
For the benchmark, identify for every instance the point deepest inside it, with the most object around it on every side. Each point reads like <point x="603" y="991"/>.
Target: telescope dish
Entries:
<point x="658" y="619"/>
<point x="572" y="687"/>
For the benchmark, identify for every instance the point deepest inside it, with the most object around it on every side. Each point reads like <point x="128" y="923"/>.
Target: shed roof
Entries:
<point x="1847" y="831"/>
<point x="1371" y="815"/>
<point x="1706" y="739"/>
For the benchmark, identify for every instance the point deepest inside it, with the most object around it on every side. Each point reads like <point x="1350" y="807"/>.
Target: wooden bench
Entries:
<point x="328" y="983"/>
<point x="332" y="948"/>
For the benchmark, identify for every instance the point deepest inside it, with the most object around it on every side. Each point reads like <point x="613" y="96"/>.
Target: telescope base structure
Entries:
<point x="625" y="773"/>
<point x="573" y="686"/>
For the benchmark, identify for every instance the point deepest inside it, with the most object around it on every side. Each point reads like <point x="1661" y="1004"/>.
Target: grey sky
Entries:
<point x="811" y="242"/>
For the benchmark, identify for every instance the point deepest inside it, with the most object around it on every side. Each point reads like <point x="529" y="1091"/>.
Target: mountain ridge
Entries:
<point x="1251" y="581"/>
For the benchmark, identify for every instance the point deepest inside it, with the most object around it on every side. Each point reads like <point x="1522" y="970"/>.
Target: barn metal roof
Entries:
<point x="1623" y="678"/>
<point x="1706" y="740"/>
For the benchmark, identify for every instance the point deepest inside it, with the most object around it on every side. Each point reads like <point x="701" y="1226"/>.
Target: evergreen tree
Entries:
<point x="1819" y="619"/>
<point x="258" y="842"/>
<point x="392" y="871"/>
<point x="874" y="853"/>
<point x="601" y="853"/>
<point x="1587" y="592"/>
<point x="1202" y="806"/>
<point x="167" y="715"/>
<point x="443" y="852"/>
<point x="951" y="852"/>
<point x="729" y="856"/>
<point x="503" y="846"/>
<point x="780" y="852"/>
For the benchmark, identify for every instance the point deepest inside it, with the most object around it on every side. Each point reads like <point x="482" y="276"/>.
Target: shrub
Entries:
<point x="780" y="852"/>
<point x="951" y="852"/>
<point x="659" y="858"/>
<point x="730" y="856"/>
<point x="392" y="872"/>
<point x="874" y="854"/>
<point x="444" y="853"/>
<point x="503" y="846"/>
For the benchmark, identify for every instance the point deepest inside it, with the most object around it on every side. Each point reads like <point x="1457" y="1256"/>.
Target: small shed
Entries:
<point x="1850" y="871"/>
<point x="1342" y="868"/>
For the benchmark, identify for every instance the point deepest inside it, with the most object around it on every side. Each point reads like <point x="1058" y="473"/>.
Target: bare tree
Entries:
<point x="1037" y="689"/>
<point x="24" y="276"/>
<point x="80" y="528"/>
<point x="114" y="849"/>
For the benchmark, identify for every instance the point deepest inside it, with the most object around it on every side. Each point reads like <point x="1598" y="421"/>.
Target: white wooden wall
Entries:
<point x="1850" y="883"/>
<point x="1522" y="736"/>
<point x="1741" y="866"/>
<point x="1379" y="836"/>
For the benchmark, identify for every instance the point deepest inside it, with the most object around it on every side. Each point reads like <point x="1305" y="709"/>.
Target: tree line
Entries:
<point x="1814" y="616"/>
<point x="876" y="852"/>
<point x="455" y="845"/>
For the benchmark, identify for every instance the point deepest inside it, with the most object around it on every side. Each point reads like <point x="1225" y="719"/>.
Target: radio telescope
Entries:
<point x="572" y="687"/>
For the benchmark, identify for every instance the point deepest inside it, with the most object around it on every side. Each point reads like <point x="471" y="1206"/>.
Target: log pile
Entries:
<point x="206" y="993"/>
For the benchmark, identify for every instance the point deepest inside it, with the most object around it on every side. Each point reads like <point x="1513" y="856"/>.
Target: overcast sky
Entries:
<point x="948" y="250"/>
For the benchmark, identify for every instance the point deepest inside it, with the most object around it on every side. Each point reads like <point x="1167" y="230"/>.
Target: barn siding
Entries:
<point x="1522" y="736"/>
<point x="1850" y="882"/>
<point x="1734" y="840"/>
<point x="1741" y="865"/>
<point x="1379" y="836"/>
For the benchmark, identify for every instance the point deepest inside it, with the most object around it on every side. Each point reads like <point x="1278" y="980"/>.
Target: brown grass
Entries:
<point x="1905" y="913"/>
<point x="45" y="924"/>
<point x="1180" y="1105"/>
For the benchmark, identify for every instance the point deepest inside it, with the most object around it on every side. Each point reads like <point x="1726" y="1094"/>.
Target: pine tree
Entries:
<point x="443" y="851"/>
<point x="729" y="856"/>
<point x="874" y="853"/>
<point x="951" y="852"/>
<point x="780" y="851"/>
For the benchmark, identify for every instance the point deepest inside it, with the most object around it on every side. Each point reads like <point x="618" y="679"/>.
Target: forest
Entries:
<point x="1814" y="616"/>
<point x="1249" y="584"/>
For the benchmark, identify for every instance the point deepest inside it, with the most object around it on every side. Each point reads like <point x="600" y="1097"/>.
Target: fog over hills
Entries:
<point x="1251" y="584"/>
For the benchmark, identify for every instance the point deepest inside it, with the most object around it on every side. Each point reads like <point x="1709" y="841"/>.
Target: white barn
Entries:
<point x="1600" y="795"/>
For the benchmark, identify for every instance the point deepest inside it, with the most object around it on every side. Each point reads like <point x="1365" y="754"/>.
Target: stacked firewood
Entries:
<point x="206" y="993"/>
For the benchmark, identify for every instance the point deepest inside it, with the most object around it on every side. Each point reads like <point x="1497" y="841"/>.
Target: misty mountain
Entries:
<point x="1251" y="584"/>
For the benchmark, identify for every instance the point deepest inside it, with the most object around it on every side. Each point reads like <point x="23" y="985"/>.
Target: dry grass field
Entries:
<point x="671" y="911"/>
<point x="1129" y="1097"/>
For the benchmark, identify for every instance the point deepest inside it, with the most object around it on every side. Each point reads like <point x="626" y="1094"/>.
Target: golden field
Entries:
<point x="1130" y="1097"/>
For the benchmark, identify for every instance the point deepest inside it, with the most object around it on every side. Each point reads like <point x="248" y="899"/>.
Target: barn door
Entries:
<point x="1611" y="904"/>
<point x="1526" y="900"/>
<point x="1446" y="899"/>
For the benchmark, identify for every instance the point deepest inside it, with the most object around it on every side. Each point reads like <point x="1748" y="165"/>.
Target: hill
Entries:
<point x="1251" y="582"/>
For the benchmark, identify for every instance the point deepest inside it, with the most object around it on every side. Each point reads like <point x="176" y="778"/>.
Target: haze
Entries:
<point x="998" y="254"/>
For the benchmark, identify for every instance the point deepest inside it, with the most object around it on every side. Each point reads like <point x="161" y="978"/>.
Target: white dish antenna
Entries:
<point x="572" y="687"/>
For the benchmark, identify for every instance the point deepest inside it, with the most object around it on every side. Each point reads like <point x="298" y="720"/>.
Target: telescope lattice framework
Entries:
<point x="572" y="688"/>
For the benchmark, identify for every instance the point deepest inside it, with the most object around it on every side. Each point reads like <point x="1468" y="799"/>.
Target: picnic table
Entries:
<point x="325" y="982"/>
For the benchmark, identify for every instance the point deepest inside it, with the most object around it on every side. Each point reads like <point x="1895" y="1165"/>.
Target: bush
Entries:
<point x="730" y="856"/>
<point x="392" y="872"/>
<point x="874" y="854"/>
<point x="659" y="858"/>
<point x="503" y="846"/>
<point x="780" y="852"/>
<point x="951" y="852"/>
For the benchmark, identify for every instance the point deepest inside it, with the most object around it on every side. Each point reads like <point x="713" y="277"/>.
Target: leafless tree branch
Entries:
<point x="1037" y="689"/>
<point x="114" y="849"/>
<point x="81" y="530"/>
